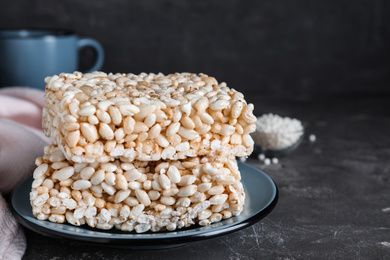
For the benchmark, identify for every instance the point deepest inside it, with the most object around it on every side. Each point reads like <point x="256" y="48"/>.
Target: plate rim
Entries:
<point x="153" y="241"/>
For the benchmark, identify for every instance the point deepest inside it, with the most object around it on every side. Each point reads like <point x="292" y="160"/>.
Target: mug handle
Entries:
<point x="88" y="42"/>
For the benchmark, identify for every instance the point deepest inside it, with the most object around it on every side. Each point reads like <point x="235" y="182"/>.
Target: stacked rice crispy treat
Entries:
<point x="145" y="152"/>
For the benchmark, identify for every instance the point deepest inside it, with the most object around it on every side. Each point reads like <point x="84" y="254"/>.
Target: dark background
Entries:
<point x="269" y="46"/>
<point x="334" y="196"/>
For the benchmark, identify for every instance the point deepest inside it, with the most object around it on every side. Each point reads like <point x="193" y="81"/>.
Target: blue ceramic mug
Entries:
<point x="27" y="56"/>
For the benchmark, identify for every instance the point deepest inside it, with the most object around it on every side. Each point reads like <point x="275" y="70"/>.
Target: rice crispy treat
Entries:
<point x="99" y="117"/>
<point x="139" y="195"/>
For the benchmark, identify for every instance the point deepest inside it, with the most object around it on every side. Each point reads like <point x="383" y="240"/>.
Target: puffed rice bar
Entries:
<point x="146" y="117"/>
<point x="140" y="196"/>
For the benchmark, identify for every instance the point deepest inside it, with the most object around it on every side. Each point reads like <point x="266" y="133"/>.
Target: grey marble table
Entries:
<point x="334" y="193"/>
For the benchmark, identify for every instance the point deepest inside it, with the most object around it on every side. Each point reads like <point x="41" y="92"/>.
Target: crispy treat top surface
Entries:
<point x="172" y="89"/>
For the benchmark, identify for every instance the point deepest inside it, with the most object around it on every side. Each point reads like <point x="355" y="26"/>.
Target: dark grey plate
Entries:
<point x="261" y="198"/>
